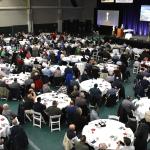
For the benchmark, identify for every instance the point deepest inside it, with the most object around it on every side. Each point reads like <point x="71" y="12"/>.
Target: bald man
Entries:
<point x="71" y="133"/>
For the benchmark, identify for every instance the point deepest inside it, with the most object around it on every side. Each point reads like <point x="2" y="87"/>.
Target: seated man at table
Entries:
<point x="39" y="107"/>
<point x="57" y="72"/>
<point x="47" y="74"/>
<point x="53" y="110"/>
<point x="15" y="90"/>
<point x="95" y="95"/>
<point x="7" y="112"/>
<point x="81" y="145"/>
<point x="46" y="88"/>
<point x="126" y="145"/>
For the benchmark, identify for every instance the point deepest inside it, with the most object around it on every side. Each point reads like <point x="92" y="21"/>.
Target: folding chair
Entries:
<point x="28" y="114"/>
<point x="54" y="122"/>
<point x="135" y="69"/>
<point x="38" y="119"/>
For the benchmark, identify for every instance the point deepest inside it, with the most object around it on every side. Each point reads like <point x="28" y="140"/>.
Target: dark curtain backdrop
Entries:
<point x="129" y="15"/>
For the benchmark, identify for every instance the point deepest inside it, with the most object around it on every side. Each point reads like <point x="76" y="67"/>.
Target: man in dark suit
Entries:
<point x="18" y="139"/>
<point x="39" y="107"/>
<point x="141" y="136"/>
<point x="95" y="95"/>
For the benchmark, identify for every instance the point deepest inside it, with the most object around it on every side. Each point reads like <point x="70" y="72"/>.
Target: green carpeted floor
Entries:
<point x="43" y="139"/>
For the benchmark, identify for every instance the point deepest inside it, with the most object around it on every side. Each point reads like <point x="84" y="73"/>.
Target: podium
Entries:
<point x="128" y="33"/>
<point x="120" y="32"/>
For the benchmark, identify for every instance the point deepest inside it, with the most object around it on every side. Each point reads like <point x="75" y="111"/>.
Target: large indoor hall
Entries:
<point x="75" y="75"/>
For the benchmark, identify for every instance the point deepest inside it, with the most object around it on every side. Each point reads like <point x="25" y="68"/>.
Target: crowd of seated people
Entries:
<point x="42" y="78"/>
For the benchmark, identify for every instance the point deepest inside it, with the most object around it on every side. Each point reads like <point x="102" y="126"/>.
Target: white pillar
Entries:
<point x="59" y="17"/>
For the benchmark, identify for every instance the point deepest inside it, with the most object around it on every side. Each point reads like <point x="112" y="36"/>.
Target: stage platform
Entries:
<point x="135" y="41"/>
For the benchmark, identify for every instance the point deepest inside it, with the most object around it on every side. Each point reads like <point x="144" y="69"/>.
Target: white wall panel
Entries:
<point x="10" y="3"/>
<point x="13" y="17"/>
<point x="47" y="15"/>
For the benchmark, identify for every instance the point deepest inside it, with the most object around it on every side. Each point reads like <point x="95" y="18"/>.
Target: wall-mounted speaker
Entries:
<point x="74" y="3"/>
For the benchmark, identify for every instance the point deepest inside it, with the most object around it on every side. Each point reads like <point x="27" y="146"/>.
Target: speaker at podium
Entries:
<point x="120" y="32"/>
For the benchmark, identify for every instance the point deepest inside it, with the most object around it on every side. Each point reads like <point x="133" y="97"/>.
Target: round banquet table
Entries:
<point x="72" y="58"/>
<point x="31" y="60"/>
<point x="113" y="54"/>
<point x="137" y="51"/>
<point x="7" y="40"/>
<point x="7" y="66"/>
<point x="113" y="132"/>
<point x="81" y="66"/>
<point x="20" y="78"/>
<point x="143" y="106"/>
<point x="110" y="67"/>
<point x="147" y="63"/>
<point x="54" y="67"/>
<point x="62" y="99"/>
<point x="102" y="85"/>
<point x="4" y="126"/>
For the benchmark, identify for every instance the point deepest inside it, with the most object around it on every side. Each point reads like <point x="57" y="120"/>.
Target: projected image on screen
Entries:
<point x="107" y="17"/>
<point x="107" y="1"/>
<point x="124" y="1"/>
<point x="145" y="13"/>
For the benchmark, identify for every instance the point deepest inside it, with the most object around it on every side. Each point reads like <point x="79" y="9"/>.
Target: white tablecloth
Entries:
<point x="90" y="48"/>
<point x="147" y="78"/>
<point x="110" y="67"/>
<point x="72" y="58"/>
<point x="62" y="99"/>
<point x="7" y="66"/>
<point x="113" y="54"/>
<point x="20" y="78"/>
<point x="102" y="85"/>
<point x="7" y="40"/>
<point x="81" y="66"/>
<point x="146" y="63"/>
<point x="110" y="135"/>
<point x="137" y="51"/>
<point x="55" y="51"/>
<point x="24" y="42"/>
<point x="31" y="60"/>
<point x="54" y="67"/>
<point x="4" y="126"/>
<point x="114" y="46"/>
<point x="144" y="105"/>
